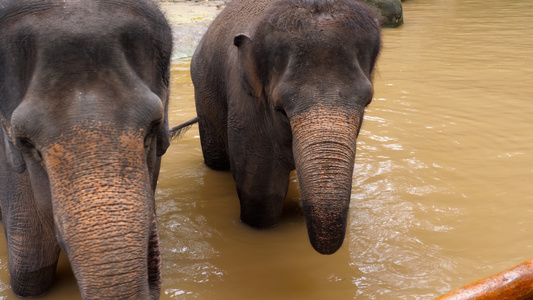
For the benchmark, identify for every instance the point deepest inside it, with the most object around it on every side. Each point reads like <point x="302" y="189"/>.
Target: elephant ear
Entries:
<point x="14" y="157"/>
<point x="248" y="65"/>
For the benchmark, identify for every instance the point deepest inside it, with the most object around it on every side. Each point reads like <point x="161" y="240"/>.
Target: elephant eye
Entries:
<point x="154" y="126"/>
<point x="26" y="143"/>
<point x="281" y="110"/>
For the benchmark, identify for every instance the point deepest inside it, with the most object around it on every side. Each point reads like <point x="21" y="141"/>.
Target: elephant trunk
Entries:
<point x="104" y="214"/>
<point x="324" y="142"/>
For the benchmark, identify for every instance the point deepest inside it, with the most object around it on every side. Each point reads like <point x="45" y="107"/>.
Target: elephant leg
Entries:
<point x="213" y="146"/>
<point x="262" y="180"/>
<point x="33" y="250"/>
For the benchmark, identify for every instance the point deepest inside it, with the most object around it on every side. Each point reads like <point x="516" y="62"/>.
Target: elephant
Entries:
<point x="282" y="86"/>
<point x="84" y="89"/>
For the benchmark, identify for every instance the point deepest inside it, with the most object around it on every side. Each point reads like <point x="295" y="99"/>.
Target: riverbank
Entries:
<point x="189" y="21"/>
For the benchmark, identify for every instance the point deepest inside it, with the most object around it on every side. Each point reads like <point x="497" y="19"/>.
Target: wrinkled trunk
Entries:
<point x="324" y="142"/>
<point x="104" y="213"/>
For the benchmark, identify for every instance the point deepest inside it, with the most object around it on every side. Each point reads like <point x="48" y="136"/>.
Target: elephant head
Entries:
<point x="310" y="64"/>
<point x="84" y="98"/>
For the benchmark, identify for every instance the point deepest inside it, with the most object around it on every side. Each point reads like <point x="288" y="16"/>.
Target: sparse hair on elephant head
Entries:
<point x="300" y="25"/>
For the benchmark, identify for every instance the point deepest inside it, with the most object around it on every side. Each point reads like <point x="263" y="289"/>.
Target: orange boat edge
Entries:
<point x="515" y="283"/>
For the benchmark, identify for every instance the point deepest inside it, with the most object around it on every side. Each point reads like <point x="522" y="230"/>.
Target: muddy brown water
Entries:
<point x="443" y="181"/>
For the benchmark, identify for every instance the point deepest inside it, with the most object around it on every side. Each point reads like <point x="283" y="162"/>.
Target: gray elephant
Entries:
<point x="83" y="117"/>
<point x="282" y="85"/>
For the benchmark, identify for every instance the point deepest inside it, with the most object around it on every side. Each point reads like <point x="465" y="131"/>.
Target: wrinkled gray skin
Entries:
<point x="83" y="105"/>
<point x="282" y="85"/>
